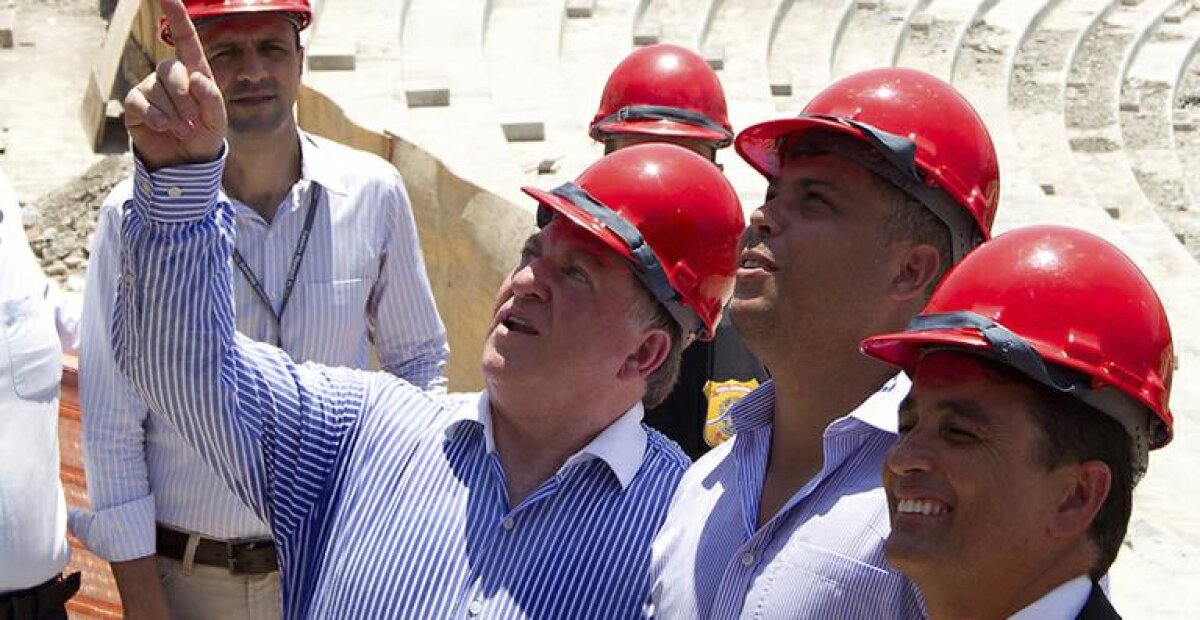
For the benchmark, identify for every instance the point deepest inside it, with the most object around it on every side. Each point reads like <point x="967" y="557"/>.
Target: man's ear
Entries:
<point x="1086" y="486"/>
<point x="918" y="267"/>
<point x="650" y="353"/>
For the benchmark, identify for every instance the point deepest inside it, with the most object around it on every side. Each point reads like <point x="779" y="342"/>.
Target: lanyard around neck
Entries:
<point x="293" y="269"/>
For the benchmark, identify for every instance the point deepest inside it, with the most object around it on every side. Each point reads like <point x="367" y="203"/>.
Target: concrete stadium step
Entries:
<point x="933" y="40"/>
<point x="873" y="32"/>
<point x="1036" y="95"/>
<point x="738" y="32"/>
<point x="1186" y="123"/>
<point x="800" y="49"/>
<point x="442" y="51"/>
<point x="982" y="72"/>
<point x="1093" y="104"/>
<point x="1146" y="116"/>
<point x="375" y="70"/>
<point x="591" y="47"/>
<point x="670" y="21"/>
<point x="521" y="58"/>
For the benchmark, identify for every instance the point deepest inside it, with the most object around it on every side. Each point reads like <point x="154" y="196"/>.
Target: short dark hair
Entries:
<point x="910" y="220"/>
<point x="1072" y="432"/>
<point x="653" y="315"/>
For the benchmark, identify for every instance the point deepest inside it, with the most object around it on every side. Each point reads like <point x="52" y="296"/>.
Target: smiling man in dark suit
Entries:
<point x="1041" y="377"/>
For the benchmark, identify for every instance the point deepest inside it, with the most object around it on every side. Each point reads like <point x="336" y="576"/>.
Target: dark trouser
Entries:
<point x="47" y="601"/>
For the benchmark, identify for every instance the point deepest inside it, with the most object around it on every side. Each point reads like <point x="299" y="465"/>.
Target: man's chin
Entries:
<point x="256" y="127"/>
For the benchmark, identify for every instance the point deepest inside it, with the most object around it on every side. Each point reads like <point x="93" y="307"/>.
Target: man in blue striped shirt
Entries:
<point x="329" y="269"/>
<point x="536" y="498"/>
<point x="886" y="179"/>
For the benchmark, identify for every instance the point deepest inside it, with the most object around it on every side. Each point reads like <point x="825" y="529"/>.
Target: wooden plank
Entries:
<point x="104" y="73"/>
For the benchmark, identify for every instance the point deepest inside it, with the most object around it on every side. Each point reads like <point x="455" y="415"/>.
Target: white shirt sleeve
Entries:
<point x="122" y="524"/>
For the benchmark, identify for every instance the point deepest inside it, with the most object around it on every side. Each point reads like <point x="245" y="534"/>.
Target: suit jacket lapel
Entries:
<point x="1098" y="607"/>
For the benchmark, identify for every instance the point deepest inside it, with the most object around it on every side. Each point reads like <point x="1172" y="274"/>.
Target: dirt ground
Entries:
<point x="43" y="148"/>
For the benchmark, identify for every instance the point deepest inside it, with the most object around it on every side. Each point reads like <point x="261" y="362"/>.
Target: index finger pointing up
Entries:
<point x="188" y="49"/>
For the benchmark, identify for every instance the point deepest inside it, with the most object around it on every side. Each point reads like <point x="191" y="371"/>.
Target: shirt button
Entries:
<point x="174" y="191"/>
<point x="747" y="559"/>
<point x="146" y="189"/>
<point x="475" y="608"/>
<point x="508" y="523"/>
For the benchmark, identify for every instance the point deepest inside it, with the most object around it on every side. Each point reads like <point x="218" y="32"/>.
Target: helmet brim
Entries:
<point x="904" y="349"/>
<point x="663" y="129"/>
<point x="300" y="18"/>
<point x="759" y="144"/>
<point x="580" y="218"/>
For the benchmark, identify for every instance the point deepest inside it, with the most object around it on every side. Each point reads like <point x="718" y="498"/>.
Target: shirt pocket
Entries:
<point x="831" y="585"/>
<point x="30" y="348"/>
<point x="330" y="324"/>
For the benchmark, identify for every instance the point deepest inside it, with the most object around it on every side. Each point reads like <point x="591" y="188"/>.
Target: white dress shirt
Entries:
<point x="820" y="556"/>
<point x="33" y="511"/>
<point x="1062" y="603"/>
<point x="362" y="282"/>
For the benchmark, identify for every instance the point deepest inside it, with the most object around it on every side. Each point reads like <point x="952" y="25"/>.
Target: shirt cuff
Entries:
<point x="177" y="194"/>
<point x="117" y="534"/>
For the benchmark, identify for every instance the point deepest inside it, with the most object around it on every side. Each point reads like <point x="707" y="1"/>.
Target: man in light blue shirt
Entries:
<point x="538" y="497"/>
<point x="884" y="180"/>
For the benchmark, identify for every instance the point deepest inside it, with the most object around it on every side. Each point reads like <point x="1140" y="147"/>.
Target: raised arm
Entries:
<point x="271" y="429"/>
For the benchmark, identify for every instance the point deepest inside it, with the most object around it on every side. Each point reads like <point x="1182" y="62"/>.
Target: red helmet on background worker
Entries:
<point x="1063" y="307"/>
<point x="671" y="214"/>
<point x="298" y="11"/>
<point x="933" y="144"/>
<point x="663" y="90"/>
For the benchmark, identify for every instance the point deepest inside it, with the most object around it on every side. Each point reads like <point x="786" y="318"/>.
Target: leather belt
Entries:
<point x="42" y="601"/>
<point x="249" y="557"/>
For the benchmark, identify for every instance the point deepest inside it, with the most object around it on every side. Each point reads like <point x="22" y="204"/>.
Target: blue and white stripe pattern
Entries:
<point x="821" y="556"/>
<point x="385" y="500"/>
<point x="362" y="283"/>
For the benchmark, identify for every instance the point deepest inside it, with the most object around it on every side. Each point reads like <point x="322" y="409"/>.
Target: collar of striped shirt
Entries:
<point x="621" y="445"/>
<point x="757" y="409"/>
<point x="316" y="166"/>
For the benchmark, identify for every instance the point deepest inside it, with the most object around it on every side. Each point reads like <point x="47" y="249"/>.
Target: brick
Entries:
<point x="715" y="57"/>
<point x="580" y="9"/>
<point x="339" y="58"/>
<point x="524" y="131"/>
<point x="431" y="96"/>
<point x="8" y="21"/>
<point x="648" y="34"/>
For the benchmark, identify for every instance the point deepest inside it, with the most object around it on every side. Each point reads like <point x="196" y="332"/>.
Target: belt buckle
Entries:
<point x="251" y="558"/>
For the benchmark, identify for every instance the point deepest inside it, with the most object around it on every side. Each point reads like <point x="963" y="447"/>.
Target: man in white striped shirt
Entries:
<point x="329" y="265"/>
<point x="537" y="498"/>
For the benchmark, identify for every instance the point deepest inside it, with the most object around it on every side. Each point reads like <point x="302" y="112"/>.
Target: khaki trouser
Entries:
<point x="208" y="592"/>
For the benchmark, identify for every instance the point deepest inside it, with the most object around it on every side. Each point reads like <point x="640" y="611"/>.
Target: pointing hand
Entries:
<point x="177" y="114"/>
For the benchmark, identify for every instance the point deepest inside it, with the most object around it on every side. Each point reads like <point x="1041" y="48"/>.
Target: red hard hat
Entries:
<point x="298" y="10"/>
<point x="1073" y="299"/>
<point x="671" y="214"/>
<point x="663" y="90"/>
<point x="916" y="121"/>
